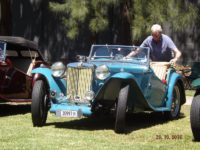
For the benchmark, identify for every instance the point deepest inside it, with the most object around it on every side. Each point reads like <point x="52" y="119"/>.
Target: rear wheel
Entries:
<point x="195" y="117"/>
<point x="121" y="110"/>
<point x="39" y="105"/>
<point x="176" y="103"/>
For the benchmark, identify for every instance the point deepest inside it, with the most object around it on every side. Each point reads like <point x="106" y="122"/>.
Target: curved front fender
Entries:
<point x="55" y="84"/>
<point x="173" y="79"/>
<point x="123" y="75"/>
<point x="110" y="90"/>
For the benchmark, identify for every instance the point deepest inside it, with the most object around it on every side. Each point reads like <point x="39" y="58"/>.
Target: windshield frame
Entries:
<point x="111" y="58"/>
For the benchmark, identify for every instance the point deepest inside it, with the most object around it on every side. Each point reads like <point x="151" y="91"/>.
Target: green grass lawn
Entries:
<point x="144" y="131"/>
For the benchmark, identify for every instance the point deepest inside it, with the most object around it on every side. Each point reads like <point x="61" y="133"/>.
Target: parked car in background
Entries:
<point x="18" y="57"/>
<point x="107" y="82"/>
<point x="195" y="107"/>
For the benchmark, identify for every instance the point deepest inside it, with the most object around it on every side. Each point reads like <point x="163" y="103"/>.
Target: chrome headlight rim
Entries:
<point x="89" y="95"/>
<point x="102" y="72"/>
<point x="58" y="69"/>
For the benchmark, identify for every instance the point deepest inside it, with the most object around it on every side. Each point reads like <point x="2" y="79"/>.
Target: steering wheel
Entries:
<point x="118" y="56"/>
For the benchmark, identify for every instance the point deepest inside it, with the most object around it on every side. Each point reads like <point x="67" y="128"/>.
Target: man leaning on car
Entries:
<point x="161" y="46"/>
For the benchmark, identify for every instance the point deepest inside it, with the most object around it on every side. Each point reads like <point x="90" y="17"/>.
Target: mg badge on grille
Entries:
<point x="77" y="98"/>
<point x="80" y="64"/>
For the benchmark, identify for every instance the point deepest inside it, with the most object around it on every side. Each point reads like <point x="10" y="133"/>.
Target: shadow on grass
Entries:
<point x="133" y="122"/>
<point x="10" y="109"/>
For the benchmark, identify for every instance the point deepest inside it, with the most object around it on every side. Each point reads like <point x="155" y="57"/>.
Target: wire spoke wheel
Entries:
<point x="176" y="103"/>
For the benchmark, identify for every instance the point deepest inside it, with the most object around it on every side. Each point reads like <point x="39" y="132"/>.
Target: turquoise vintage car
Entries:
<point x="107" y="82"/>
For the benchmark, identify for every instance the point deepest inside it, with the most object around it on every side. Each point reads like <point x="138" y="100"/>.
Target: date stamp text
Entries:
<point x="169" y="137"/>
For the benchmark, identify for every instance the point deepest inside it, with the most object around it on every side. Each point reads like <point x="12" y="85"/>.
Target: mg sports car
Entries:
<point x="107" y="81"/>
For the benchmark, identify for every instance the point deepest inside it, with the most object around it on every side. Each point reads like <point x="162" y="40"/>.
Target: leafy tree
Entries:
<point x="76" y="12"/>
<point x="134" y="17"/>
<point x="178" y="14"/>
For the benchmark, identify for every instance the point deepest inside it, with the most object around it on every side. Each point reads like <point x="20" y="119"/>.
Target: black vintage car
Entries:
<point x="195" y="107"/>
<point x="18" y="57"/>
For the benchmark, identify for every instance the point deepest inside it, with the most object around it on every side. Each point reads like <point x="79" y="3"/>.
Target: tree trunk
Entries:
<point x="125" y="24"/>
<point x="5" y="17"/>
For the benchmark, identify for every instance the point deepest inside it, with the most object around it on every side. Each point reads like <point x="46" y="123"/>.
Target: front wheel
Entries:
<point x="39" y="105"/>
<point x="121" y="110"/>
<point x="176" y="104"/>
<point x="195" y="117"/>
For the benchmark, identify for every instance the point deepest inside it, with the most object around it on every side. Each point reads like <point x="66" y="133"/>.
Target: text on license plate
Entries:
<point x="69" y="113"/>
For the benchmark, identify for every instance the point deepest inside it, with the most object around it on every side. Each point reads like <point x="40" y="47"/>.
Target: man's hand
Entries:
<point x="173" y="61"/>
<point x="177" y="56"/>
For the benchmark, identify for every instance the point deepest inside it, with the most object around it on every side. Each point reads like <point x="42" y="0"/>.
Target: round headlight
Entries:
<point x="58" y="69"/>
<point x="89" y="95"/>
<point x="102" y="72"/>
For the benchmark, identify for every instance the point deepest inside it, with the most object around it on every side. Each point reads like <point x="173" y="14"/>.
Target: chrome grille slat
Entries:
<point x="79" y="81"/>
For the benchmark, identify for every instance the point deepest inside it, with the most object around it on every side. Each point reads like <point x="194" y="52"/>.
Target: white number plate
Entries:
<point x="69" y="113"/>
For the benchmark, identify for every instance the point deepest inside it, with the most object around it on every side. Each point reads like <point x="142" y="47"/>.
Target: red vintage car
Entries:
<point x="18" y="57"/>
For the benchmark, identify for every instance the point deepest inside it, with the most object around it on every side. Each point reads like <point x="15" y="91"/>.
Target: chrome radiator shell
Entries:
<point x="79" y="82"/>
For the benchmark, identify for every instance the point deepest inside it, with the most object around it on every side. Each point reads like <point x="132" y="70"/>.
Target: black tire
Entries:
<point x="121" y="110"/>
<point x="39" y="105"/>
<point x="176" y="104"/>
<point x="195" y="117"/>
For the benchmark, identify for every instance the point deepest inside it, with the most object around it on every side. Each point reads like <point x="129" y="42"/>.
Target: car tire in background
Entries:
<point x="195" y="117"/>
<point x="176" y="104"/>
<point x="121" y="110"/>
<point x="39" y="105"/>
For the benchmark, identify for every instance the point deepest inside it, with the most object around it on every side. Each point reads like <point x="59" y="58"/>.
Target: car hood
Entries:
<point x="113" y="66"/>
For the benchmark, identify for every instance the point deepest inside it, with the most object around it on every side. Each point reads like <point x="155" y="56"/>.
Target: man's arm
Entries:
<point x="177" y="55"/>
<point x="133" y="53"/>
<point x="144" y="44"/>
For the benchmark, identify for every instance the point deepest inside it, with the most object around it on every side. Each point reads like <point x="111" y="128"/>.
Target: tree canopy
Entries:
<point x="97" y="15"/>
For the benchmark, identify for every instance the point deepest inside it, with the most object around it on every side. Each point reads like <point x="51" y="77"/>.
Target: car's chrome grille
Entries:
<point x="78" y="83"/>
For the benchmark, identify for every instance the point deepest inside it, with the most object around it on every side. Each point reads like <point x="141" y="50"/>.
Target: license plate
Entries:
<point x="69" y="113"/>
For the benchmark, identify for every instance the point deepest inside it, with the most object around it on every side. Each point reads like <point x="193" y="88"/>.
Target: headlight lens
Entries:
<point x="89" y="95"/>
<point x="58" y="69"/>
<point x="102" y="72"/>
